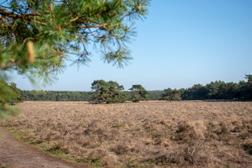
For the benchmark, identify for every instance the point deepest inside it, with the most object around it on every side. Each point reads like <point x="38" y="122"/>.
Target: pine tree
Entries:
<point x="107" y="92"/>
<point x="38" y="36"/>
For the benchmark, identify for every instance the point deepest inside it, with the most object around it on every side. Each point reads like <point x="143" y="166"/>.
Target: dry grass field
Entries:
<point x="141" y="135"/>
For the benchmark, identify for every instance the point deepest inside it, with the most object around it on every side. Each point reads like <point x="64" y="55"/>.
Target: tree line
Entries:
<point x="218" y="90"/>
<point x="112" y="92"/>
<point x="102" y="92"/>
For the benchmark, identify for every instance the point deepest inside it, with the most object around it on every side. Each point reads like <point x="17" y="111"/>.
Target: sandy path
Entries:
<point x="15" y="154"/>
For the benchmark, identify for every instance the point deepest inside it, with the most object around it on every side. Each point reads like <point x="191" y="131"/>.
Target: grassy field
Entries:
<point x="140" y="135"/>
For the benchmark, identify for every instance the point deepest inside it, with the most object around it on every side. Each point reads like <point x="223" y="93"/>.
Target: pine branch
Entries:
<point x="6" y="14"/>
<point x="102" y="26"/>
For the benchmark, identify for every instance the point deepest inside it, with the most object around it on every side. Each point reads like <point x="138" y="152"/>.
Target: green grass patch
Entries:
<point x="95" y="163"/>
<point x="8" y="111"/>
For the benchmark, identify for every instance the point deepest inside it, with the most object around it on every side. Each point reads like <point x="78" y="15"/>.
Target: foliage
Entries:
<point x="170" y="94"/>
<point x="197" y="91"/>
<point x="154" y="94"/>
<point x="35" y="95"/>
<point x="107" y="92"/>
<point x="245" y="88"/>
<point x="138" y="93"/>
<point x="220" y="90"/>
<point x="40" y="34"/>
<point x="9" y="93"/>
<point x="38" y="37"/>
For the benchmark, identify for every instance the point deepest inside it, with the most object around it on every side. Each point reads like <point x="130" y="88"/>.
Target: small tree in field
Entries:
<point x="107" y="92"/>
<point x="138" y="93"/>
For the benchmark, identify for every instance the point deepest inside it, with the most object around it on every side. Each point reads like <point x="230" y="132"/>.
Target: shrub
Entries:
<point x="170" y="94"/>
<point x="138" y="93"/>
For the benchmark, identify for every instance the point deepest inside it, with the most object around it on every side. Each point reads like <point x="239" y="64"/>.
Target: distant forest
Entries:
<point x="218" y="90"/>
<point x="40" y="95"/>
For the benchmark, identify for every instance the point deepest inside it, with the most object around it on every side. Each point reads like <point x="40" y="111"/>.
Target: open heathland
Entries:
<point x="150" y="134"/>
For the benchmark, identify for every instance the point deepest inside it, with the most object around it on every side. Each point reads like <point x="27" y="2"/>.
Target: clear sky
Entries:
<point x="181" y="42"/>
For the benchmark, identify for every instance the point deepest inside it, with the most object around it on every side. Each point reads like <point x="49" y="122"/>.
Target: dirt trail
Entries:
<point x="15" y="154"/>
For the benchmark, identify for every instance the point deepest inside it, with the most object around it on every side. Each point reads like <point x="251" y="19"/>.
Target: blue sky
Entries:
<point x="181" y="42"/>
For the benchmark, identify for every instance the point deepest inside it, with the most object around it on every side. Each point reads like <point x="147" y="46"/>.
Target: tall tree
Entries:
<point x="245" y="88"/>
<point x="196" y="92"/>
<point x="216" y="89"/>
